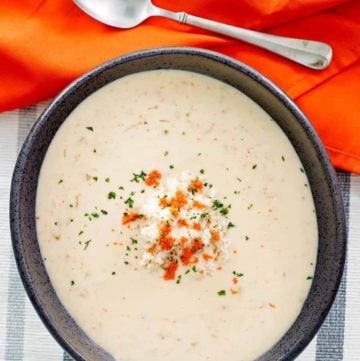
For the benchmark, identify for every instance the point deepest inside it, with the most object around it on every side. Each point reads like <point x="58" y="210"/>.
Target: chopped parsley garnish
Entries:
<point x="202" y="171"/>
<point x="95" y="215"/>
<point x="142" y="191"/>
<point x="178" y="279"/>
<point x="129" y="202"/>
<point x="187" y="271"/>
<point x="221" y="293"/>
<point x="104" y="212"/>
<point x="133" y="241"/>
<point x="199" y="154"/>
<point x="80" y="233"/>
<point x="194" y="268"/>
<point x="72" y="283"/>
<point x="111" y="195"/>
<point x="55" y="223"/>
<point x="60" y="181"/>
<point x="126" y="262"/>
<point x="137" y="177"/>
<point x="230" y="225"/>
<point x="94" y="150"/>
<point x="309" y="277"/>
<point x="90" y="128"/>
<point x="250" y="206"/>
<point x="236" y="192"/>
<point x="70" y="205"/>
<point x="283" y="158"/>
<point x="87" y="244"/>
<point x="171" y="166"/>
<point x="302" y="170"/>
<point x="238" y="179"/>
<point x="224" y="211"/>
<point x="217" y="204"/>
<point x="166" y="153"/>
<point x="121" y="188"/>
<point x="95" y="179"/>
<point x="203" y="215"/>
<point x="237" y="274"/>
<point x="107" y="180"/>
<point x="254" y="166"/>
<point x="247" y="238"/>
<point x="113" y="273"/>
<point x="166" y="131"/>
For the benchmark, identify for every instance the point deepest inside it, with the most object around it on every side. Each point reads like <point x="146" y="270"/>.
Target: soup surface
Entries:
<point x="175" y="220"/>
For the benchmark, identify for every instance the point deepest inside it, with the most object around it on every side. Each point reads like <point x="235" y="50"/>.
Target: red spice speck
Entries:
<point x="131" y="217"/>
<point x="170" y="272"/>
<point x="153" y="178"/>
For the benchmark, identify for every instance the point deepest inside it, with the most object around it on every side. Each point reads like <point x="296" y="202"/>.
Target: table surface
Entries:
<point x="24" y="337"/>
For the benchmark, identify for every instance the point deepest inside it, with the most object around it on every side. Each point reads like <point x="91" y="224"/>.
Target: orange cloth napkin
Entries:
<point x="46" y="44"/>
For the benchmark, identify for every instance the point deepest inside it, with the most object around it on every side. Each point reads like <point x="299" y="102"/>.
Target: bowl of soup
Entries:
<point x="175" y="204"/>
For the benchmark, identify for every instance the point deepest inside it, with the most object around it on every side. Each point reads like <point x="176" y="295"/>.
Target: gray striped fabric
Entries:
<point x="23" y="336"/>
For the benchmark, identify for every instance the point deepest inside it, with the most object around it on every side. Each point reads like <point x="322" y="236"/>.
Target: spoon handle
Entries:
<point x="313" y="54"/>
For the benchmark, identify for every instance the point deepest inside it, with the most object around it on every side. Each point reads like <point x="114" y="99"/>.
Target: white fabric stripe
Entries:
<point x="309" y="353"/>
<point x="352" y="329"/>
<point x="38" y="343"/>
<point x="8" y="150"/>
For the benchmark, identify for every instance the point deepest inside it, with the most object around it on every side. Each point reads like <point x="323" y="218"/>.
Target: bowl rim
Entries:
<point x="311" y="134"/>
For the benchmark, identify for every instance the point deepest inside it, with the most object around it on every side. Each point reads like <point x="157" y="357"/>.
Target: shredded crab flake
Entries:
<point x="181" y="224"/>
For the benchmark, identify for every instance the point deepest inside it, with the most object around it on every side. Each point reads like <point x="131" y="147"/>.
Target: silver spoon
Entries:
<point x="130" y="13"/>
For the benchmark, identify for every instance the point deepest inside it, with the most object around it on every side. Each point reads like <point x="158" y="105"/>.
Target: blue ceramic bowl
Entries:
<point x="322" y="179"/>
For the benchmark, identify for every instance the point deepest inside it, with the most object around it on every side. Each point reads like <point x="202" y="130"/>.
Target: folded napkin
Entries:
<point x="44" y="45"/>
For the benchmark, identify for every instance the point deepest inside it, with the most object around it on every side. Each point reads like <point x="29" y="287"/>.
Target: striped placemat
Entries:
<point x="24" y="337"/>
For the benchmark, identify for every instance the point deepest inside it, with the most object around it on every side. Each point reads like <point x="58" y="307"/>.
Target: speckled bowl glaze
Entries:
<point x="322" y="179"/>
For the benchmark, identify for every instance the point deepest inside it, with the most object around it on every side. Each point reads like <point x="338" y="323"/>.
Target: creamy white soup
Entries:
<point x="176" y="221"/>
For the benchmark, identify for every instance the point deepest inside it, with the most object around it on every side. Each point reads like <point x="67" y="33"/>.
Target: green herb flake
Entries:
<point x="254" y="166"/>
<point x="107" y="180"/>
<point x="178" y="279"/>
<point x="247" y="238"/>
<point x="224" y="211"/>
<point x="55" y="223"/>
<point x="60" y="181"/>
<point x="203" y="215"/>
<point x="111" y="195"/>
<point x="128" y="248"/>
<point x="142" y="191"/>
<point x="126" y="262"/>
<point x="95" y="179"/>
<point x="94" y="150"/>
<point x="113" y="273"/>
<point x="309" y="277"/>
<point x="187" y="271"/>
<point x="80" y="233"/>
<point x="171" y="166"/>
<point x="199" y="154"/>
<point x="250" y="206"/>
<point x="166" y="131"/>
<point x="238" y="274"/>
<point x="217" y="204"/>
<point x="202" y="171"/>
<point x="90" y="128"/>
<point x="87" y="244"/>
<point x="70" y="205"/>
<point x="133" y="241"/>
<point x="230" y="225"/>
<point x="221" y="293"/>
<point x="283" y="158"/>
<point x="72" y="282"/>
<point x="104" y="212"/>
<point x="129" y="202"/>
<point x="137" y="177"/>
<point x="302" y="170"/>
<point x="194" y="268"/>
<point x="166" y="153"/>
<point x="95" y="215"/>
